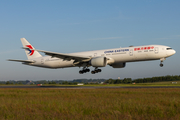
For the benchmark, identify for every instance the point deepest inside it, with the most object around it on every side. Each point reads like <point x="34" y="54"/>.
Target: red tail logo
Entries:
<point x="31" y="52"/>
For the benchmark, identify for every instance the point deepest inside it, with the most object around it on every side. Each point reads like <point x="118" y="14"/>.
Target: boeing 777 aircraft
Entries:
<point x="117" y="57"/>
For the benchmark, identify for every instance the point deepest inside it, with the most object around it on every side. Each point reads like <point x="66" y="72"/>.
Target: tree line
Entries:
<point x="62" y="82"/>
<point x="97" y="81"/>
<point x="144" y="80"/>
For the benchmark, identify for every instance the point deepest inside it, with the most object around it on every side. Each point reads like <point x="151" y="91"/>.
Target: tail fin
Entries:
<point x="31" y="53"/>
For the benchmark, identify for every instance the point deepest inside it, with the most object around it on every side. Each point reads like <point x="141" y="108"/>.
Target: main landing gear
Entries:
<point x="84" y="70"/>
<point x="96" y="70"/>
<point x="161" y="64"/>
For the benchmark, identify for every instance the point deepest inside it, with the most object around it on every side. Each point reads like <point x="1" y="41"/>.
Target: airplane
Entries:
<point x="117" y="57"/>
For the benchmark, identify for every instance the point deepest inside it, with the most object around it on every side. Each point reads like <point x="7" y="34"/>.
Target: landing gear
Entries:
<point x="96" y="70"/>
<point x="84" y="70"/>
<point x="161" y="64"/>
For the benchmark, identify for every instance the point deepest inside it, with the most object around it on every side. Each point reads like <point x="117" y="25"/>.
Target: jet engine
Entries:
<point x="98" y="62"/>
<point x="118" y="65"/>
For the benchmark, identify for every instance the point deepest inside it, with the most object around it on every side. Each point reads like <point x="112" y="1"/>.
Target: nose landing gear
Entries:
<point x="161" y="64"/>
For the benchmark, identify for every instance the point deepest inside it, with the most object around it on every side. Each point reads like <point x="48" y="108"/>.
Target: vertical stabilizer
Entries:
<point x="31" y="53"/>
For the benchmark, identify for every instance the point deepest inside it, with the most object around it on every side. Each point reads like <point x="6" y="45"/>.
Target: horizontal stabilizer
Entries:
<point x="24" y="61"/>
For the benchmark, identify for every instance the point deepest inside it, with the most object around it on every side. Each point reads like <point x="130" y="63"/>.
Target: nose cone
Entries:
<point x="171" y="52"/>
<point x="174" y="52"/>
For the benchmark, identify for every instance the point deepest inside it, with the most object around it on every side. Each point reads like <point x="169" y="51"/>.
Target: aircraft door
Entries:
<point x="156" y="50"/>
<point x="95" y="54"/>
<point x="42" y="61"/>
<point x="131" y="52"/>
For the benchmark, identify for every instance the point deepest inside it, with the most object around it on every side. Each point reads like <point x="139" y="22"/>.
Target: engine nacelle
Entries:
<point x="98" y="62"/>
<point x="118" y="65"/>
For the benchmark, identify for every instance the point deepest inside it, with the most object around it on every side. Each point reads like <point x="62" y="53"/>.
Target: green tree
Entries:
<point x="7" y="83"/>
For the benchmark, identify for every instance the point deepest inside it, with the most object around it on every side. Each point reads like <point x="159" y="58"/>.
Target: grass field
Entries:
<point x="129" y="104"/>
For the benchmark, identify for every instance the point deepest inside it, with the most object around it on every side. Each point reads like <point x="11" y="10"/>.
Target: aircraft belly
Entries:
<point x="121" y="58"/>
<point x="62" y="64"/>
<point x="53" y="63"/>
<point x="65" y="64"/>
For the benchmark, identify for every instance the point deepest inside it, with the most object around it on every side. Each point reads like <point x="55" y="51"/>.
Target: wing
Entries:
<point x="68" y="57"/>
<point x="24" y="61"/>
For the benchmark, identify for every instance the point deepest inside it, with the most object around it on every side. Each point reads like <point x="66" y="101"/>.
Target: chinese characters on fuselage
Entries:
<point x="144" y="48"/>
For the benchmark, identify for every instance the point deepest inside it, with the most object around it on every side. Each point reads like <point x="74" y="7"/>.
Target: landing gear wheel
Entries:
<point x="161" y="65"/>
<point x="84" y="70"/>
<point x="99" y="70"/>
<point x="96" y="71"/>
<point x="92" y="72"/>
<point x="81" y="72"/>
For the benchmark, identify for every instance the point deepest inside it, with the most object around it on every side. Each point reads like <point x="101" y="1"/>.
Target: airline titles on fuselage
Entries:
<point x="115" y="51"/>
<point x="125" y="50"/>
<point x="144" y="48"/>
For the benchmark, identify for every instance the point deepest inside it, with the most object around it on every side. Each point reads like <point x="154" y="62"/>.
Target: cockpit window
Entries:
<point x="169" y="48"/>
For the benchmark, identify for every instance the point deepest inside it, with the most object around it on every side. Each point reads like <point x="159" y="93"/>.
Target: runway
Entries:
<point x="87" y="87"/>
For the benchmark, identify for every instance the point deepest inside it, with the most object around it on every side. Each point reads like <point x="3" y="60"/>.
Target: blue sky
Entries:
<point x="74" y="26"/>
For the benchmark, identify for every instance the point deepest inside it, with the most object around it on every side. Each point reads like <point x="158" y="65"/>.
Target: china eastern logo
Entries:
<point x="31" y="52"/>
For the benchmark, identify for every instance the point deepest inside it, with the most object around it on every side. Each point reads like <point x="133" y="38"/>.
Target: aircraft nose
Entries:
<point x="174" y="52"/>
<point x="170" y="52"/>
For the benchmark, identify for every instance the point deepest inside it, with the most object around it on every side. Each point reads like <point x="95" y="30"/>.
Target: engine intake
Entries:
<point x="98" y="62"/>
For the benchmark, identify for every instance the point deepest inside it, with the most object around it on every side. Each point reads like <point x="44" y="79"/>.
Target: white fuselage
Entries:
<point x="117" y="55"/>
